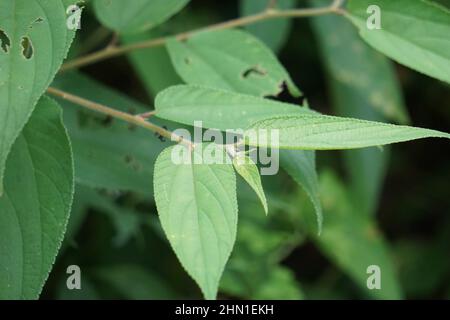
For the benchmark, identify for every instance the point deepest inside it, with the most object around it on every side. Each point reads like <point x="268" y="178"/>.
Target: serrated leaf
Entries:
<point x="248" y="170"/>
<point x="273" y="33"/>
<point x="217" y="108"/>
<point x="197" y="207"/>
<point x="35" y="207"/>
<point x="231" y="60"/>
<point x="108" y="153"/>
<point x="413" y="33"/>
<point x="301" y="166"/>
<point x="319" y="132"/>
<point x="40" y="26"/>
<point x="226" y="110"/>
<point x="78" y="213"/>
<point x="137" y="15"/>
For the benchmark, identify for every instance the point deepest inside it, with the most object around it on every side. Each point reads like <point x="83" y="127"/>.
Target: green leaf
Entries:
<point x="134" y="282"/>
<point x="35" y="206"/>
<point x="152" y="65"/>
<point x="228" y="110"/>
<point x="363" y="82"/>
<point x="262" y="243"/>
<point x="108" y="153"/>
<point x="126" y="221"/>
<point x="78" y="214"/>
<point x="87" y="292"/>
<point x="421" y="267"/>
<point x="197" y="207"/>
<point x="218" y="109"/>
<point x="280" y="285"/>
<point x="353" y="242"/>
<point x="331" y="133"/>
<point x="363" y="85"/>
<point x="231" y="60"/>
<point x="273" y="33"/>
<point x="301" y="166"/>
<point x="413" y="33"/>
<point x="248" y="170"/>
<point x="137" y="15"/>
<point x="41" y="26"/>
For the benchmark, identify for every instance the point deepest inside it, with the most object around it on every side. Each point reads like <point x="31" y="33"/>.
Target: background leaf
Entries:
<point x="353" y="241"/>
<point x="363" y="82"/>
<point x="108" y="153"/>
<point x="23" y="80"/>
<point x="262" y="243"/>
<point x="231" y="60"/>
<point x="35" y="207"/>
<point x="273" y="33"/>
<point x="133" y="282"/>
<point x="301" y="166"/>
<point x="362" y="85"/>
<point x="196" y="204"/>
<point x="137" y="15"/>
<point x="413" y="33"/>
<point x="153" y="65"/>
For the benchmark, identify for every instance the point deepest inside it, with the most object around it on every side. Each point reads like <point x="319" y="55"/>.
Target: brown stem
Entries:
<point x="110" y="52"/>
<point x="147" y="115"/>
<point x="133" y="119"/>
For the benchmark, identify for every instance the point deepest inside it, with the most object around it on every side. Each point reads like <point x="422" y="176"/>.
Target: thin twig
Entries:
<point x="110" y="52"/>
<point x="337" y="6"/>
<point x="133" y="119"/>
<point x="114" y="40"/>
<point x="146" y="115"/>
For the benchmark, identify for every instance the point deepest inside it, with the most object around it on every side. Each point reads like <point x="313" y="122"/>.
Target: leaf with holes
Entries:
<point x="248" y="170"/>
<point x="232" y="60"/>
<point x="318" y="132"/>
<point x="137" y="15"/>
<point x="35" y="206"/>
<point x="34" y="41"/>
<point x="412" y="32"/>
<point x="197" y="207"/>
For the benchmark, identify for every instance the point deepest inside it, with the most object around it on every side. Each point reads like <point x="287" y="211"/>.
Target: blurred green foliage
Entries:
<point x="386" y="207"/>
